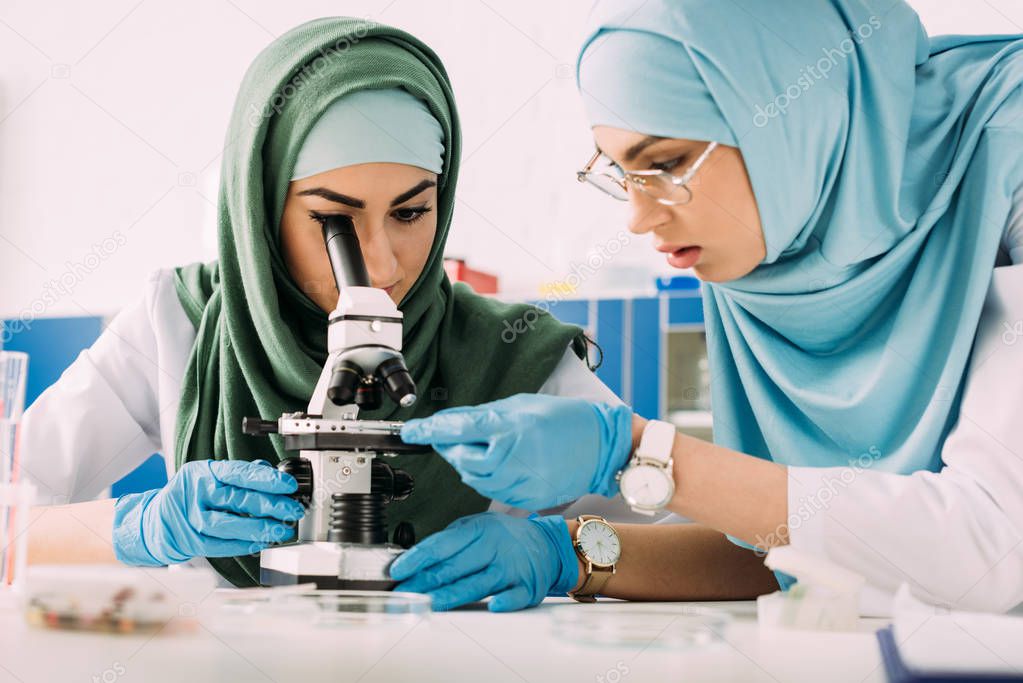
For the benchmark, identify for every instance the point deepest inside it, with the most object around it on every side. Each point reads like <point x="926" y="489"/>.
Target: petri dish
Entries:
<point x="308" y="607"/>
<point x="674" y="627"/>
<point x="115" y="599"/>
<point x="353" y="608"/>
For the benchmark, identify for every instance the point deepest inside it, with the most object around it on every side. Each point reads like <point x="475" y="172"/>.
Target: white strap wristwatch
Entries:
<point x="647" y="483"/>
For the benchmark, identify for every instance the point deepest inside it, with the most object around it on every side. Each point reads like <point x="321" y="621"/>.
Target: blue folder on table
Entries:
<point x="899" y="672"/>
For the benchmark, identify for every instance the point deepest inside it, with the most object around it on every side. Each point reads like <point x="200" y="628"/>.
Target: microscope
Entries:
<point x="344" y="481"/>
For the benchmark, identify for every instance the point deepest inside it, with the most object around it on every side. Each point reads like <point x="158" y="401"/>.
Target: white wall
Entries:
<point x="112" y="117"/>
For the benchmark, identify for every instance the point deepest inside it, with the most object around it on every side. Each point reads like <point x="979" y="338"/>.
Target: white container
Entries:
<point x="825" y="597"/>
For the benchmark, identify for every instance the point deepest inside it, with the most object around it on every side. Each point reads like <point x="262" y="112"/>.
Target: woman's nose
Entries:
<point x="378" y="253"/>
<point x="646" y="213"/>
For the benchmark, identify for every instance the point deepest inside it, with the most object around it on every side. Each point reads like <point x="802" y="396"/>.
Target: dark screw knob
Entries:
<point x="257" y="427"/>
<point x="392" y="483"/>
<point x="302" y="470"/>
<point x="404" y="535"/>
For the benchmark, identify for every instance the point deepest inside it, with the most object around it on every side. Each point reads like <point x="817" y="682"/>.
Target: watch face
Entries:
<point x="647" y="486"/>
<point x="599" y="543"/>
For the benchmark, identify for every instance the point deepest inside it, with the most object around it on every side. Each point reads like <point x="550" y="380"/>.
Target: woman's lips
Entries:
<point x="684" y="257"/>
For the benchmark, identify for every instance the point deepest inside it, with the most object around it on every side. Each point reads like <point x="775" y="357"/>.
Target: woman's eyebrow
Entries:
<point x="334" y="197"/>
<point x="412" y="192"/>
<point x="632" y="152"/>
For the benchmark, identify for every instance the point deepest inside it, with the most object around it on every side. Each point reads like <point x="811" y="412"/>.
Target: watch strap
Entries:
<point x="657" y="442"/>
<point x="655" y="449"/>
<point x="596" y="577"/>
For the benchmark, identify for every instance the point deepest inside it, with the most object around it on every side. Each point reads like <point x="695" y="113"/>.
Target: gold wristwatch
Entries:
<point x="598" y="546"/>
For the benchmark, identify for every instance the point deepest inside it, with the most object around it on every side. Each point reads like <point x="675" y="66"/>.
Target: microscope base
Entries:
<point x="331" y="566"/>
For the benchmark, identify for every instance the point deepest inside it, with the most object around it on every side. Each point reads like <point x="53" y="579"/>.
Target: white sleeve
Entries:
<point x="100" y="420"/>
<point x="956" y="536"/>
<point x="573" y="378"/>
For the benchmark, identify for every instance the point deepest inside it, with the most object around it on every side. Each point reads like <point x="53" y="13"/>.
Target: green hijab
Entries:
<point x="261" y="342"/>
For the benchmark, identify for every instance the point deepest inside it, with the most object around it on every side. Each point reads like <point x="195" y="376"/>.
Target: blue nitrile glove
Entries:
<point x="533" y="451"/>
<point x="210" y="508"/>
<point x="518" y="561"/>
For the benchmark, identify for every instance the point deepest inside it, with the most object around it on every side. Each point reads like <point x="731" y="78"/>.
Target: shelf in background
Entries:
<point x="691" y="419"/>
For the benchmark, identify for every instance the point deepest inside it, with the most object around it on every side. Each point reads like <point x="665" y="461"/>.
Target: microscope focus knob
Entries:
<point x="403" y="485"/>
<point x="404" y="535"/>
<point x="390" y="482"/>
<point x="302" y="470"/>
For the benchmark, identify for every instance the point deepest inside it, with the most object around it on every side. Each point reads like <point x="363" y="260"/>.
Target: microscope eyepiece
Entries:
<point x="344" y="252"/>
<point x="397" y="381"/>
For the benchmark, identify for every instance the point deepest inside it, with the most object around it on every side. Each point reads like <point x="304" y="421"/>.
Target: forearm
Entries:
<point x="80" y="533"/>
<point x="735" y="493"/>
<point x="682" y="562"/>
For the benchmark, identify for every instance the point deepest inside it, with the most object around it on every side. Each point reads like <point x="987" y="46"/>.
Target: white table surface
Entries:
<point x="464" y="645"/>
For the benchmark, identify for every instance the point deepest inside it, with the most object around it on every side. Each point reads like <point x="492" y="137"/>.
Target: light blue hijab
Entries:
<point x="389" y="125"/>
<point x="883" y="163"/>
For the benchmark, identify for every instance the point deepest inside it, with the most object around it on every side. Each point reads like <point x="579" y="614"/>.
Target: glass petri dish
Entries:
<point x="305" y="607"/>
<point x="674" y="627"/>
<point x="353" y="608"/>
<point x="115" y="599"/>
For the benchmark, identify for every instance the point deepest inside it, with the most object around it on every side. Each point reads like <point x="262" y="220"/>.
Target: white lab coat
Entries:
<point x="955" y="536"/>
<point x="117" y="404"/>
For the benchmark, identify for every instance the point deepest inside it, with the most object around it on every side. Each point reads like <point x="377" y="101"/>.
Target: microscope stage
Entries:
<point x="309" y="433"/>
<point x="384" y="444"/>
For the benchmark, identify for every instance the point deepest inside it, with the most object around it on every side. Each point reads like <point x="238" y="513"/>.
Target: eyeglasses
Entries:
<point x="665" y="188"/>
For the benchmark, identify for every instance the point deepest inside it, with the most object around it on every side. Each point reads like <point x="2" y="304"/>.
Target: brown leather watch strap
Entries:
<point x="596" y="577"/>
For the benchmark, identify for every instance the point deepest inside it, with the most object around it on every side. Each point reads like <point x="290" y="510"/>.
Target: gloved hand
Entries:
<point x="533" y="451"/>
<point x="210" y="508"/>
<point x="518" y="561"/>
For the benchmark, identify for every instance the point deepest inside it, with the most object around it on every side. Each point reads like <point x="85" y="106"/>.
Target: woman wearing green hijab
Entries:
<point x="336" y="116"/>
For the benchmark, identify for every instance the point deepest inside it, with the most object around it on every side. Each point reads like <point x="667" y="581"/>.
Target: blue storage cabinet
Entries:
<point x="632" y="334"/>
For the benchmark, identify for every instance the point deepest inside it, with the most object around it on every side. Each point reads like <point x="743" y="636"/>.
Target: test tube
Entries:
<point x="15" y="495"/>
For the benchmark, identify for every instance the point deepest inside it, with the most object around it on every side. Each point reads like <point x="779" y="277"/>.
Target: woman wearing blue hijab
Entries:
<point x="851" y="193"/>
